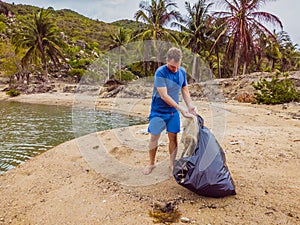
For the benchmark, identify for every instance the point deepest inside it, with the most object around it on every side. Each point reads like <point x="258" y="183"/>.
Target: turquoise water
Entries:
<point x="28" y="130"/>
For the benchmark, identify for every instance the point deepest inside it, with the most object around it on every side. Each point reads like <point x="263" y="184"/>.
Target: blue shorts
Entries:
<point x="159" y="122"/>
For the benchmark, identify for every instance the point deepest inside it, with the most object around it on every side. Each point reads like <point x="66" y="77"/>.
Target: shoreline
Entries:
<point x="63" y="185"/>
<point x="126" y="106"/>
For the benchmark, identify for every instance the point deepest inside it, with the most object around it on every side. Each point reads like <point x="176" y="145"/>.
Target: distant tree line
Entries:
<point x="230" y="42"/>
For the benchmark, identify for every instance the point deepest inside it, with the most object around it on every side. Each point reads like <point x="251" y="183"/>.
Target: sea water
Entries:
<point x="30" y="129"/>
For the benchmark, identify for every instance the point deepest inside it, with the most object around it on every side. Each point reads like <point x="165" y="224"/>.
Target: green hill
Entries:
<point x="129" y="24"/>
<point x="74" y="25"/>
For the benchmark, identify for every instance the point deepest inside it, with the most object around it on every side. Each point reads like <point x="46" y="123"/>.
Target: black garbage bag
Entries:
<point x="205" y="172"/>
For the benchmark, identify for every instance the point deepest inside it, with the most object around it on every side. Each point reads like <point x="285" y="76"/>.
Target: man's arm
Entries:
<point x="170" y="101"/>
<point x="188" y="101"/>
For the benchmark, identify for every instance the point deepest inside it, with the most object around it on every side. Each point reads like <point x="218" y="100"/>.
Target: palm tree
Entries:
<point x="196" y="26"/>
<point x="272" y="51"/>
<point x="40" y="38"/>
<point x="157" y="15"/>
<point x="119" y="41"/>
<point x="243" y="24"/>
<point x="288" y="51"/>
<point x="196" y="29"/>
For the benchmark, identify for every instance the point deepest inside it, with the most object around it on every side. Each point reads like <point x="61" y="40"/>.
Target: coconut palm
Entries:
<point x="243" y="24"/>
<point x="196" y="31"/>
<point x="288" y="52"/>
<point x="157" y="15"/>
<point x="196" y="26"/>
<point x="40" y="38"/>
<point x="119" y="40"/>
<point x="217" y="53"/>
<point x="272" y="51"/>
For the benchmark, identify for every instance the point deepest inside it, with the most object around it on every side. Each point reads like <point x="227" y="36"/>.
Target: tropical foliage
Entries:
<point x="40" y="38"/>
<point x="157" y="15"/>
<point x="244" y="24"/>
<point x="9" y="61"/>
<point x="234" y="40"/>
<point x="119" y="41"/>
<point x="196" y="30"/>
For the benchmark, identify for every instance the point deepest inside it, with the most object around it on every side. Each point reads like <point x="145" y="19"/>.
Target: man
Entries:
<point x="169" y="80"/>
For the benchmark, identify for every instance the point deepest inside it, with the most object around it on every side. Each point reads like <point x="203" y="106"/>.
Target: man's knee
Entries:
<point x="154" y="138"/>
<point x="172" y="137"/>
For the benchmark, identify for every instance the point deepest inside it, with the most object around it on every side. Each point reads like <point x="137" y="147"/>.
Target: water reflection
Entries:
<point x="27" y="129"/>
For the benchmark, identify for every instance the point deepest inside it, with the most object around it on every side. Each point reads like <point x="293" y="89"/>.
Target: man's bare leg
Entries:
<point x="172" y="148"/>
<point x="153" y="145"/>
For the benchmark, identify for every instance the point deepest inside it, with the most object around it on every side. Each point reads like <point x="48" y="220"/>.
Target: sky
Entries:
<point x="112" y="10"/>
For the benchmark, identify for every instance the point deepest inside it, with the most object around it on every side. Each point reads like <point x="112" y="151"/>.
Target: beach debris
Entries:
<point x="234" y="142"/>
<point x="162" y="144"/>
<point x="185" y="220"/>
<point x="295" y="116"/>
<point x="165" y="213"/>
<point x="284" y="106"/>
<point x="142" y="131"/>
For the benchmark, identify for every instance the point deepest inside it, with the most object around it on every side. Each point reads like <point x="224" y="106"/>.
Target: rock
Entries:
<point x="112" y="82"/>
<point x="234" y="142"/>
<point x="185" y="220"/>
<point x="69" y="88"/>
<point x="284" y="106"/>
<point x="245" y="97"/>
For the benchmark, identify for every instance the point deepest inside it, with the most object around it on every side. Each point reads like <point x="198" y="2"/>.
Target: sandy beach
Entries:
<point x="97" y="179"/>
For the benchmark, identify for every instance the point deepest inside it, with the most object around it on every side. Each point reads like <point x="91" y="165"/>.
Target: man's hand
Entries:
<point x="184" y="112"/>
<point x="193" y="110"/>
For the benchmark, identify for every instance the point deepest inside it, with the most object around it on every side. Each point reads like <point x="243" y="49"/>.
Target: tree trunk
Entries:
<point x="194" y="66"/>
<point x="198" y="69"/>
<point x="219" y="66"/>
<point x="27" y="77"/>
<point x="244" y="68"/>
<point x="272" y="65"/>
<point x="120" y="65"/>
<point x="10" y="80"/>
<point x="146" y="58"/>
<point x="258" y="64"/>
<point x="45" y="69"/>
<point x="44" y="60"/>
<point x="108" y="65"/>
<point x="236" y="60"/>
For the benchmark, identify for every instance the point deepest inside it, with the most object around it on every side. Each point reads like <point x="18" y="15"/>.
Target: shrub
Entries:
<point x="80" y="64"/>
<point x="277" y="91"/>
<point x="126" y="75"/>
<point x="2" y="27"/>
<point x="13" y="93"/>
<point x="268" y="69"/>
<point x="76" y="73"/>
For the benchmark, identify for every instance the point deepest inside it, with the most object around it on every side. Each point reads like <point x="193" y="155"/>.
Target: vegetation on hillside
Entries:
<point x="62" y="44"/>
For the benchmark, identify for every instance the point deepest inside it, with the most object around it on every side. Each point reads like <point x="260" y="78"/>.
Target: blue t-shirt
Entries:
<point x="173" y="82"/>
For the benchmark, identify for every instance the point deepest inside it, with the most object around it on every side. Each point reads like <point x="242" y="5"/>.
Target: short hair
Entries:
<point x="174" y="53"/>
